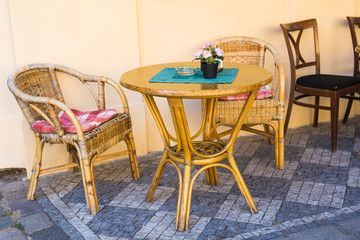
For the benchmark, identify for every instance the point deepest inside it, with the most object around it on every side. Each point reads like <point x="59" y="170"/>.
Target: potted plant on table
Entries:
<point x="211" y="60"/>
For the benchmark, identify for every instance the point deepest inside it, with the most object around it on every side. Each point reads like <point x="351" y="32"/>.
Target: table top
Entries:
<point x="249" y="77"/>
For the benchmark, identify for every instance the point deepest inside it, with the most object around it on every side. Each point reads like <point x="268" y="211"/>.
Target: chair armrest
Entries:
<point x="28" y="102"/>
<point x="70" y="114"/>
<point x="281" y="72"/>
<point x="101" y="80"/>
<point x="119" y="90"/>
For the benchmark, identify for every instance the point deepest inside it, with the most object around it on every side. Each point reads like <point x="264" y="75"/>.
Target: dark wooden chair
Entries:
<point x="315" y="85"/>
<point x="354" y="23"/>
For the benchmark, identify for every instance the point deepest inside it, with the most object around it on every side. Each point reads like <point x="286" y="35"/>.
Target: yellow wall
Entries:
<point x="12" y="147"/>
<point x="93" y="37"/>
<point x="110" y="37"/>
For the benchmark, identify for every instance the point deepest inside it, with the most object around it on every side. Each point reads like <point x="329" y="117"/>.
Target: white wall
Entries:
<point x="109" y="37"/>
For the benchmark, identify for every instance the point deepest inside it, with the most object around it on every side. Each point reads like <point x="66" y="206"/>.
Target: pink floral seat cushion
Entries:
<point x="263" y="93"/>
<point x="88" y="120"/>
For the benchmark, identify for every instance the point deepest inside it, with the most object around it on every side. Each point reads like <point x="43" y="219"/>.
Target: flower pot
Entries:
<point x="209" y="70"/>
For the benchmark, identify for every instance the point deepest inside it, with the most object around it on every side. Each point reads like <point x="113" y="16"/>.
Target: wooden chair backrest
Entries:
<point x="354" y="25"/>
<point x="293" y="33"/>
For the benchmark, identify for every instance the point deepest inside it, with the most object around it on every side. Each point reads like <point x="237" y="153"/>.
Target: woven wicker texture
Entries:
<point x="37" y="90"/>
<point x="261" y="111"/>
<point x="253" y="51"/>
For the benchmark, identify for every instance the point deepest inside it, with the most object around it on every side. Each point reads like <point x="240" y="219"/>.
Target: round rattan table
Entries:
<point x="183" y="149"/>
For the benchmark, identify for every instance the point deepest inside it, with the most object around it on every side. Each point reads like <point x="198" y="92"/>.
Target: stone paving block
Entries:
<point x="350" y="227"/>
<point x="325" y="232"/>
<point x="225" y="208"/>
<point x="35" y="222"/>
<point x="251" y="166"/>
<point x="244" y="216"/>
<point x="13" y="191"/>
<point x="354" y="177"/>
<point x="317" y="194"/>
<point x="26" y="207"/>
<point x="166" y="221"/>
<point x="12" y="234"/>
<point x="277" y="188"/>
<point x="178" y="237"/>
<point x="200" y="225"/>
<point x="220" y="229"/>
<point x="52" y="233"/>
<point x="356" y="144"/>
<point x="345" y="159"/>
<point x="307" y="155"/>
<point x="169" y="232"/>
<point x="59" y="219"/>
<point x="5" y="222"/>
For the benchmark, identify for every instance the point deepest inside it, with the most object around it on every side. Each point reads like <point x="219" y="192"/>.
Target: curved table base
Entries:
<point x="189" y="152"/>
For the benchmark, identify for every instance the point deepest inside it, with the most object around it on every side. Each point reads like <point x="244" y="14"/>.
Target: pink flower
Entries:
<point x="207" y="54"/>
<point x="207" y="46"/>
<point x="219" y="52"/>
<point x="198" y="53"/>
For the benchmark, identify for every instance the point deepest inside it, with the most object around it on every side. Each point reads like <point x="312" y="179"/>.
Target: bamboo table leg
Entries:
<point x="209" y="109"/>
<point x="178" y="114"/>
<point x="185" y="148"/>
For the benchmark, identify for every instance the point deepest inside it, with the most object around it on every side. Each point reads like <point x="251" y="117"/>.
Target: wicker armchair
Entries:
<point x="37" y="91"/>
<point x="263" y="111"/>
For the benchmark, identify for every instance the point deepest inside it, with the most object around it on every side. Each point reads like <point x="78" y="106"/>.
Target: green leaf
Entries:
<point x="19" y="226"/>
<point x="6" y="214"/>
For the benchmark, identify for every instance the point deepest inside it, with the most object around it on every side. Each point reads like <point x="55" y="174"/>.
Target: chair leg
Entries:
<point x="289" y="109"/>
<point x="129" y="140"/>
<point x="267" y="130"/>
<point x="280" y="163"/>
<point x="334" y="121"/>
<point x="86" y="166"/>
<point x="348" y="108"/>
<point x="279" y="156"/>
<point x="316" y="111"/>
<point x="36" y="168"/>
<point x="73" y="158"/>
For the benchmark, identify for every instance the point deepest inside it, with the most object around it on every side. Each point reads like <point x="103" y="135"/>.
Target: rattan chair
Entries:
<point x="268" y="112"/>
<point x="314" y="85"/>
<point x="354" y="26"/>
<point x="37" y="91"/>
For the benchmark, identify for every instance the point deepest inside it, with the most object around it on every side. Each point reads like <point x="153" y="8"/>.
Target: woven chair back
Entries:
<point x="36" y="82"/>
<point x="242" y="51"/>
<point x="250" y="50"/>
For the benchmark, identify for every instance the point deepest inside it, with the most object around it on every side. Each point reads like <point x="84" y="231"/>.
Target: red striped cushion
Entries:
<point x="87" y="120"/>
<point x="263" y="93"/>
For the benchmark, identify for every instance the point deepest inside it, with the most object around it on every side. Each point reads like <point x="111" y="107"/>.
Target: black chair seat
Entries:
<point x="327" y="82"/>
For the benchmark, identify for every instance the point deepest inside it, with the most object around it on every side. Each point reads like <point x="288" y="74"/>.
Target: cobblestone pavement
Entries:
<point x="316" y="196"/>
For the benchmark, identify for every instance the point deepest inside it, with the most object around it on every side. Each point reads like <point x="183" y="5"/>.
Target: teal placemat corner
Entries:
<point x="168" y="75"/>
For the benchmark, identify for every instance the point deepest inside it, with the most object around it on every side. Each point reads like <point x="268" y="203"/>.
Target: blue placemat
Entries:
<point x="168" y="75"/>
